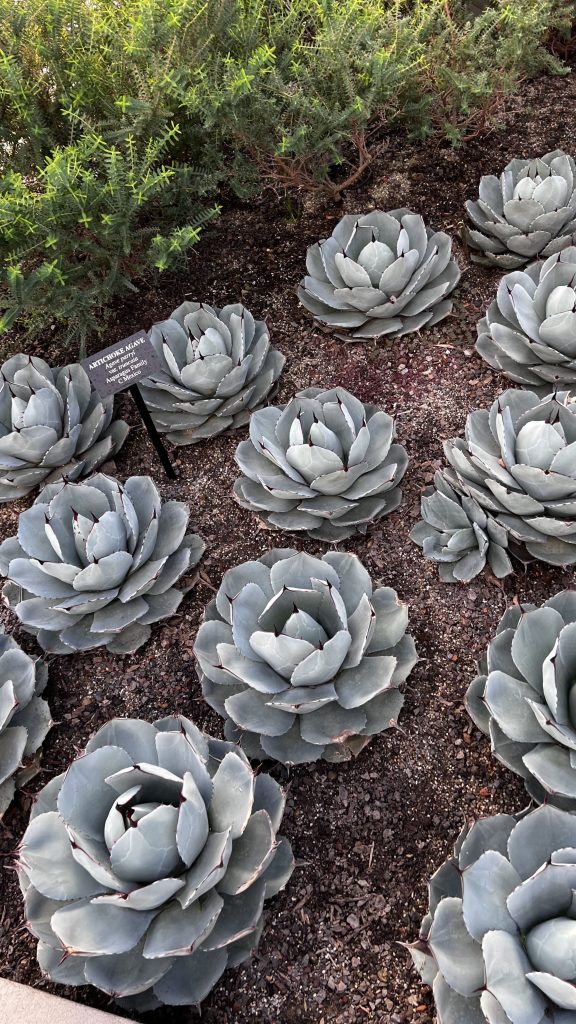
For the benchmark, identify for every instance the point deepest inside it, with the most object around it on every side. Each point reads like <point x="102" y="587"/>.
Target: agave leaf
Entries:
<point x="92" y="929"/>
<point x="178" y="932"/>
<point x="458" y="956"/>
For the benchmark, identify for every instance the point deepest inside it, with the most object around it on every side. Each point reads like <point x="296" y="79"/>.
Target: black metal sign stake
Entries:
<point x="154" y="435"/>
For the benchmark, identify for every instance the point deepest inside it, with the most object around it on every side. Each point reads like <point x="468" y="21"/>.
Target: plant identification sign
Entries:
<point x="121" y="365"/>
<point x="119" y="368"/>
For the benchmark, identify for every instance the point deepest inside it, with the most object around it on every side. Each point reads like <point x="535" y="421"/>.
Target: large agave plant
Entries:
<point x="498" y="944"/>
<point x="216" y="366"/>
<point x="529" y="211"/>
<point x="529" y="331"/>
<point x="53" y="424"/>
<point x="302" y="657"/>
<point x="324" y="464"/>
<point x="517" y="464"/>
<point x="523" y="697"/>
<point x="155" y="884"/>
<point x="95" y="564"/>
<point x="380" y="274"/>
<point x="24" y="715"/>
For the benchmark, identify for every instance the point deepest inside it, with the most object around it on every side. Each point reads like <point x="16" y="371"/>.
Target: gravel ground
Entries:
<point x="366" y="835"/>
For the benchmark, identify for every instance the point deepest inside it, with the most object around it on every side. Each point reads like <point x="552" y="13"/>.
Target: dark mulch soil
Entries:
<point x="366" y="835"/>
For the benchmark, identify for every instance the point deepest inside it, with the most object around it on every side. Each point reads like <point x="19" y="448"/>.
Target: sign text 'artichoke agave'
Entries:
<point x="154" y="885"/>
<point x="529" y="331"/>
<point x="95" y="564"/>
<point x="498" y="944"/>
<point x="529" y="211"/>
<point x="384" y="273"/>
<point x="523" y="698"/>
<point x="511" y="483"/>
<point x="24" y="715"/>
<point x="216" y="366"/>
<point x="324" y="464"/>
<point x="53" y="424"/>
<point x="303" y="657"/>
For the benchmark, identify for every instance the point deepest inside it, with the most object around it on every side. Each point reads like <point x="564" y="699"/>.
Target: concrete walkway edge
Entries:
<point x="24" y="1005"/>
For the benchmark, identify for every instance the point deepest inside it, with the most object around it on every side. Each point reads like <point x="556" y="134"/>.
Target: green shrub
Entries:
<point x="94" y="219"/>
<point x="118" y="116"/>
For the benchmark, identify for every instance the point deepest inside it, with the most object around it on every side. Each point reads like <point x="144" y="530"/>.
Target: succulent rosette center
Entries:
<point x="216" y="366"/>
<point x="154" y="883"/>
<point x="52" y="424"/>
<point x="303" y="657"/>
<point x="325" y="463"/>
<point x="499" y="941"/>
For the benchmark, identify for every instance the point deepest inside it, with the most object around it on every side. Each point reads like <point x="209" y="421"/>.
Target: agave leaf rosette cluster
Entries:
<point x="528" y="212"/>
<point x="457" y="533"/>
<point x="303" y="657"/>
<point x="324" y="464"/>
<point x="95" y="563"/>
<point x="53" y="424"/>
<point x="154" y="885"/>
<point x="517" y="464"/>
<point x="498" y="944"/>
<point x="24" y="714"/>
<point x="529" y="331"/>
<point x="216" y="367"/>
<point x="524" y="697"/>
<point x="380" y="274"/>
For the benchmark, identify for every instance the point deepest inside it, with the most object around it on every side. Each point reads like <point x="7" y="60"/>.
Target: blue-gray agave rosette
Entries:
<point x="95" y="564"/>
<point x="517" y="465"/>
<point x="24" y="714"/>
<point x="498" y="944"/>
<point x="216" y="366"/>
<point x="53" y="424"/>
<point x="529" y="331"/>
<point x="303" y="657"/>
<point x="524" y="697"/>
<point x="383" y="273"/>
<point x="529" y="211"/>
<point x="324" y="464"/>
<point x="145" y="867"/>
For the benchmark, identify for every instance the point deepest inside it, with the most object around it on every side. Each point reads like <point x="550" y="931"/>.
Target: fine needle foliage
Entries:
<point x="123" y="124"/>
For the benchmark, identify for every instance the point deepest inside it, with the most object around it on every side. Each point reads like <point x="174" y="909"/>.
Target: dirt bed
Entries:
<point x="366" y="835"/>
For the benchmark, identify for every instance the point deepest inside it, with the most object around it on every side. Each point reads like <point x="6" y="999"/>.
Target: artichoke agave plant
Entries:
<point x="216" y="366"/>
<point x="24" y="715"/>
<point x="95" y="564"/>
<point x="498" y="944"/>
<point x="53" y="424"/>
<point x="154" y="885"/>
<point x="380" y="274"/>
<point x="517" y="465"/>
<point x="529" y="331"/>
<point x="302" y="657"/>
<point x="324" y="464"/>
<point x="523" y="697"/>
<point x="529" y="211"/>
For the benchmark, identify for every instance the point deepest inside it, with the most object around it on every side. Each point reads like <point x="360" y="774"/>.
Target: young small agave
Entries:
<point x="24" y="715"/>
<point x="145" y="867"/>
<point x="324" y="464"/>
<point x="523" y="697"/>
<point x="95" y="564"/>
<point x="380" y="274"/>
<point x="216" y="367"/>
<point x="529" y="211"/>
<point x="510" y="488"/>
<point x="303" y="657"/>
<point x="498" y="944"/>
<point x="53" y="424"/>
